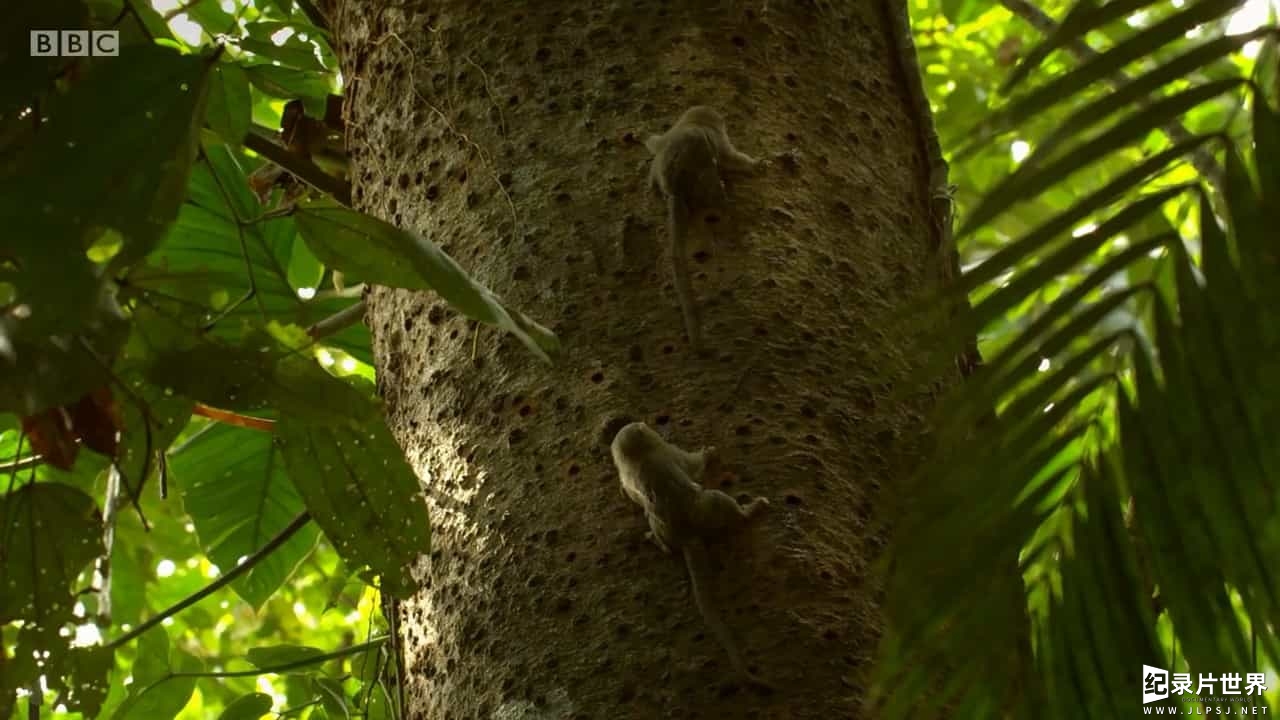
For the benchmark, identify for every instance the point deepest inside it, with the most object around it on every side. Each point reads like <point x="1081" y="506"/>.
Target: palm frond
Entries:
<point x="1121" y="391"/>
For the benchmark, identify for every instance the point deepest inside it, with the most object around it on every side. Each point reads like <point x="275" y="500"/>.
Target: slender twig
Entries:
<point x="249" y="563"/>
<point x="110" y="511"/>
<point x="310" y="173"/>
<point x="135" y="493"/>
<point x="17" y="464"/>
<point x="274" y="669"/>
<point x="338" y="321"/>
<point x="244" y="253"/>
<point x="181" y="9"/>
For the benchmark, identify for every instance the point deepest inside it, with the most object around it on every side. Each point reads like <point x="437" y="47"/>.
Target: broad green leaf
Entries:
<point x="89" y="678"/>
<point x="212" y="269"/>
<point x="60" y="354"/>
<point x="960" y="12"/>
<point x="151" y="421"/>
<point x="40" y="653"/>
<point x="229" y="377"/>
<point x="49" y="533"/>
<point x="141" y="25"/>
<point x="166" y="695"/>
<point x="293" y="53"/>
<point x="25" y="74"/>
<point x="277" y="656"/>
<point x="247" y="707"/>
<point x="152" y="662"/>
<point x="265" y="29"/>
<point x="386" y="255"/>
<point x="135" y="121"/>
<point x="212" y="18"/>
<point x="228" y="110"/>
<point x="128" y="585"/>
<point x="255" y="375"/>
<point x="362" y="493"/>
<point x="235" y="489"/>
<point x="289" y="83"/>
<point x="332" y="697"/>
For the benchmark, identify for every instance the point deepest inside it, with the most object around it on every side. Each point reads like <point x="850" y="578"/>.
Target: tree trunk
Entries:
<point x="511" y="133"/>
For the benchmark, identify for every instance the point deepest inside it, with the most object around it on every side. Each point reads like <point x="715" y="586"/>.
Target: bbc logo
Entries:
<point x="74" y="43"/>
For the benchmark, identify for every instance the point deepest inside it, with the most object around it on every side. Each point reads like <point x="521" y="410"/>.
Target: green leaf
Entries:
<point x="247" y="707"/>
<point x="960" y="12"/>
<point x="135" y="122"/>
<point x="1083" y="17"/>
<point x="332" y="697"/>
<point x="289" y="83"/>
<point x="1071" y="252"/>
<point x="152" y="662"/>
<point x="235" y="489"/>
<point x="164" y="699"/>
<point x="25" y="74"/>
<point x="1036" y="175"/>
<point x="383" y="254"/>
<point x="1136" y="46"/>
<point x="89" y="678"/>
<point x="277" y="656"/>
<point x="229" y="103"/>
<point x="128" y="586"/>
<point x="229" y="377"/>
<point x="254" y="375"/>
<point x="210" y="267"/>
<point x="1009" y="255"/>
<point x="141" y="25"/>
<point x="362" y="493"/>
<point x="51" y="532"/>
<point x="1250" y="227"/>
<point x="60" y="349"/>
<point x="986" y="387"/>
<point x="211" y="17"/>
<point x="293" y="53"/>
<point x="1135" y="90"/>
<point x="1266" y="137"/>
<point x="1026" y="343"/>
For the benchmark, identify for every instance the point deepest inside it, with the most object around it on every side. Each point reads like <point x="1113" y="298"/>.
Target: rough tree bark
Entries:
<point x="510" y="132"/>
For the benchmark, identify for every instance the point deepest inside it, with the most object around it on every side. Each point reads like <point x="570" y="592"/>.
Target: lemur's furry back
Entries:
<point x="687" y="162"/>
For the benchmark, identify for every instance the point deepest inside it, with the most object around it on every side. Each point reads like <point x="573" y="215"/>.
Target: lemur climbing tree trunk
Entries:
<point x="511" y="132"/>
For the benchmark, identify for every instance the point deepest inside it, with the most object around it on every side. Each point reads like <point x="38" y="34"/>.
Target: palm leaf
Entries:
<point x="1138" y="46"/>
<point x="1172" y="408"/>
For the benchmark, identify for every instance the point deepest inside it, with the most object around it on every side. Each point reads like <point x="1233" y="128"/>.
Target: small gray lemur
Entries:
<point x="687" y="161"/>
<point x="664" y="480"/>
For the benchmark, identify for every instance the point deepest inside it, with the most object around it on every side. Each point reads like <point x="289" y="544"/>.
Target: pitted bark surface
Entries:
<point x="510" y="133"/>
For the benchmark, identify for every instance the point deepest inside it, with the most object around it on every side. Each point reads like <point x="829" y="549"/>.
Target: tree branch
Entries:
<point x="272" y="545"/>
<point x="258" y="141"/>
